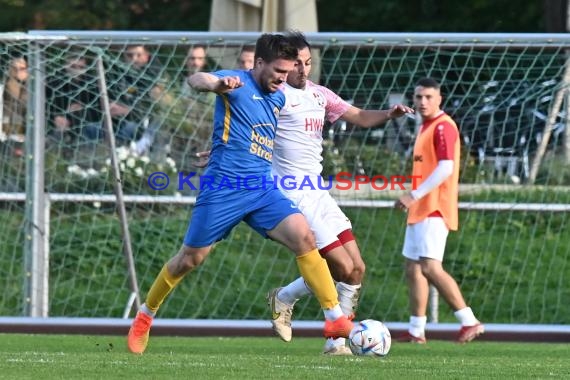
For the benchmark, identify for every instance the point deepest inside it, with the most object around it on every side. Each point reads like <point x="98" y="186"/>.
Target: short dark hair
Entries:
<point x="428" y="83"/>
<point x="198" y="46"/>
<point x="271" y="47"/>
<point x="247" y="48"/>
<point x="135" y="45"/>
<point x="297" y="39"/>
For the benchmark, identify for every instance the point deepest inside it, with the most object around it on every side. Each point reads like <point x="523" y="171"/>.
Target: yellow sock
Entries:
<point x="161" y="287"/>
<point x="318" y="277"/>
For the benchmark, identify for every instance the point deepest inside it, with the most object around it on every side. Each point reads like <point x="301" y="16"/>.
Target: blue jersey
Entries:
<point x="245" y="121"/>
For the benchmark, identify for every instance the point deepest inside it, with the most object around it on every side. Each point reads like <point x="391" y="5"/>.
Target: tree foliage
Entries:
<point x="431" y="16"/>
<point x="21" y="15"/>
<point x="334" y="15"/>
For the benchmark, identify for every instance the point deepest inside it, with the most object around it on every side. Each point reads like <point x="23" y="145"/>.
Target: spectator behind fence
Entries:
<point x="245" y="58"/>
<point x="14" y="102"/>
<point x="196" y="61"/>
<point x="198" y="107"/>
<point x="74" y="102"/>
<point x="137" y="90"/>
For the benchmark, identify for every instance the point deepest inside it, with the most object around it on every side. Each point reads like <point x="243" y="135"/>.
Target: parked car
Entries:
<point x="505" y="122"/>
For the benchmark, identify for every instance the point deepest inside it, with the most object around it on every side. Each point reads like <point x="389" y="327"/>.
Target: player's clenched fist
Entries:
<point x="226" y="84"/>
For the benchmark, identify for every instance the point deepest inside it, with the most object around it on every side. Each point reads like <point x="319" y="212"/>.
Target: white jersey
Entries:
<point x="297" y="152"/>
<point x="299" y="137"/>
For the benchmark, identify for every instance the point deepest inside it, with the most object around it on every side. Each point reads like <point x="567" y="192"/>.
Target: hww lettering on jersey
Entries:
<point x="313" y="124"/>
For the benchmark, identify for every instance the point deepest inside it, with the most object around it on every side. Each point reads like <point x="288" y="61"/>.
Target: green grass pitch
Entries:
<point x="106" y="357"/>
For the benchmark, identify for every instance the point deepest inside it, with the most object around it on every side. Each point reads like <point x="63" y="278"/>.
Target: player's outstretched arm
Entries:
<point x="208" y="82"/>
<point x="372" y="118"/>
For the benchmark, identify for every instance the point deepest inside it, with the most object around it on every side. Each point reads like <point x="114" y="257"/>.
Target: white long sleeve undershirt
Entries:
<point x="443" y="170"/>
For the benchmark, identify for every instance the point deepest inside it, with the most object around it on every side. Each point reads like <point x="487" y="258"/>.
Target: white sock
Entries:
<point x="292" y="292"/>
<point x="466" y="317"/>
<point x="417" y="326"/>
<point x="348" y="297"/>
<point x="334" y="313"/>
<point x="146" y="310"/>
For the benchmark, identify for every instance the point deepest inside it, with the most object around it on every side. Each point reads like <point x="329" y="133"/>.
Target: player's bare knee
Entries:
<point x="431" y="269"/>
<point x="301" y="243"/>
<point x="189" y="258"/>
<point x="412" y="270"/>
<point x="306" y="241"/>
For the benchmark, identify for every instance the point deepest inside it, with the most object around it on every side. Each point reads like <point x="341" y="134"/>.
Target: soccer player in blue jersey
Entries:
<point x="245" y="119"/>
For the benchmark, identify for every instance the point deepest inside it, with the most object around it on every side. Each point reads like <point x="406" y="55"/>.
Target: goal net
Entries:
<point x="510" y="255"/>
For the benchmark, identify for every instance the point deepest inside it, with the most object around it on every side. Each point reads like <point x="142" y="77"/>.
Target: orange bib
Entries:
<point x="443" y="198"/>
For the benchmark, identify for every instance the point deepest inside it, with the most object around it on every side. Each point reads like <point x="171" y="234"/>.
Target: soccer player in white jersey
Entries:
<point x="298" y="153"/>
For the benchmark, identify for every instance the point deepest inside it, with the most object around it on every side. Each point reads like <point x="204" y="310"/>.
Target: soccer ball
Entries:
<point x="370" y="338"/>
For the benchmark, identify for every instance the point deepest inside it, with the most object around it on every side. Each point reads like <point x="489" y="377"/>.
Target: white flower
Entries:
<point x="122" y="166"/>
<point x="133" y="148"/>
<point x="122" y="153"/>
<point x="145" y="159"/>
<point x="178" y="194"/>
<point x="103" y="169"/>
<point x="97" y="204"/>
<point x="83" y="173"/>
<point x="108" y="162"/>
<point x="139" y="172"/>
<point x="170" y="162"/>
<point x="92" y="172"/>
<point x="74" y="169"/>
<point x="131" y="162"/>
